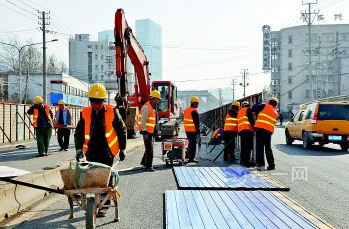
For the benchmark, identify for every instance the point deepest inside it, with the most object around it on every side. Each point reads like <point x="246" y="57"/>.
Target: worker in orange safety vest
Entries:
<point x="42" y="122"/>
<point x="245" y="131"/>
<point x="264" y="126"/>
<point x="192" y="127"/>
<point x="230" y="131"/>
<point x="100" y="134"/>
<point x="146" y="126"/>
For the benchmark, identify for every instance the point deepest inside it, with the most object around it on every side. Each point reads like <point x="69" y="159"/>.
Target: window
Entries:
<point x="102" y="57"/>
<point x="290" y="66"/>
<point x="290" y="53"/>
<point x="96" y="46"/>
<point x="96" y="77"/>
<point x="89" y="66"/>
<point x="307" y="94"/>
<point x="330" y="93"/>
<point x="290" y="94"/>
<point x="345" y="36"/>
<point x="290" y="39"/>
<point x="89" y="46"/>
<point x="96" y="57"/>
<point x="101" y="46"/>
<point x="310" y="111"/>
<point x="102" y="77"/>
<point x="102" y="66"/>
<point x="96" y="67"/>
<point x="289" y="79"/>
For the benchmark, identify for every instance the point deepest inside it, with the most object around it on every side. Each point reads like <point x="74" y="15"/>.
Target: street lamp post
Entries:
<point x="20" y="63"/>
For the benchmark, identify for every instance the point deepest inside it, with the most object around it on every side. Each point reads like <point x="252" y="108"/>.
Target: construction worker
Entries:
<point x="245" y="131"/>
<point x="62" y="123"/>
<point x="146" y="126"/>
<point x="192" y="127"/>
<point x="264" y="125"/>
<point x="100" y="134"/>
<point x="42" y="122"/>
<point x="230" y="131"/>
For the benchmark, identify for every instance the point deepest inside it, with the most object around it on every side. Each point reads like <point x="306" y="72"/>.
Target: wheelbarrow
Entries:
<point x="97" y="187"/>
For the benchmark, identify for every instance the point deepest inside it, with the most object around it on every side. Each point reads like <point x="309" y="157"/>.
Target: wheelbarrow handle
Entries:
<point x="9" y="180"/>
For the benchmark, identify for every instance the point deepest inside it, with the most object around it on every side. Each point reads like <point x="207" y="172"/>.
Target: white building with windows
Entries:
<point x="290" y="72"/>
<point x="91" y="61"/>
<point x="59" y="86"/>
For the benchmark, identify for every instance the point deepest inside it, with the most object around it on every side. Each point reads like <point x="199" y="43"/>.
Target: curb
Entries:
<point x="15" y="198"/>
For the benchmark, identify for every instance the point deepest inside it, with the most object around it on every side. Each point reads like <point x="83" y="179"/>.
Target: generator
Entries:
<point x="174" y="150"/>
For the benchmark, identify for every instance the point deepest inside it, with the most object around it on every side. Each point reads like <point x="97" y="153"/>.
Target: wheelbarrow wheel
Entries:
<point x="91" y="213"/>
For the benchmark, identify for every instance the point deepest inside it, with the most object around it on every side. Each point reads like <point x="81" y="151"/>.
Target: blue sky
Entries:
<point x="202" y="39"/>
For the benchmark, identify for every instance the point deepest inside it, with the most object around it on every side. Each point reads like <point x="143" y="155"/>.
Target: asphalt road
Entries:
<point x="320" y="185"/>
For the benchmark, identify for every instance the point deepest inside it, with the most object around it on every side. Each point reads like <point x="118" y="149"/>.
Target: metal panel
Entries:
<point x="220" y="178"/>
<point x="235" y="209"/>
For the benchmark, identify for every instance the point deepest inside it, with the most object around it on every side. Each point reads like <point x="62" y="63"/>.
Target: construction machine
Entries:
<point x="126" y="44"/>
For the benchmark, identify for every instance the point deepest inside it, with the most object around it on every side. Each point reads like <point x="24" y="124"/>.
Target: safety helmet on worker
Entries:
<point x="61" y="102"/>
<point x="155" y="94"/>
<point x="38" y="99"/>
<point x="97" y="91"/>
<point x="245" y="104"/>
<point x="194" y="99"/>
<point x="274" y="99"/>
<point x="235" y="104"/>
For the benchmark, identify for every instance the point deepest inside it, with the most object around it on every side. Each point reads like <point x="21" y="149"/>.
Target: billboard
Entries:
<point x="266" y="47"/>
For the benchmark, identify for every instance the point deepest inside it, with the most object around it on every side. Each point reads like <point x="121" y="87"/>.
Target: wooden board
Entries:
<point x="98" y="177"/>
<point x="236" y="209"/>
<point x="223" y="178"/>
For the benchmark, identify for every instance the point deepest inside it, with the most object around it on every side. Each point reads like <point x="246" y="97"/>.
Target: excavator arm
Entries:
<point x="126" y="44"/>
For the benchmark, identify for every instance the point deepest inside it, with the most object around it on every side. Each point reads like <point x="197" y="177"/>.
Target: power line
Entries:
<point x="24" y="3"/>
<point x="20" y="7"/>
<point x="18" y="12"/>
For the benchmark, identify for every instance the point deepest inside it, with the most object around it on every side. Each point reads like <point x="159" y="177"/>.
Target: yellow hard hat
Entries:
<point x="97" y="91"/>
<point x="38" y="99"/>
<point x="235" y="103"/>
<point x="274" y="99"/>
<point x="194" y="99"/>
<point x="245" y="103"/>
<point x="61" y="102"/>
<point x="155" y="94"/>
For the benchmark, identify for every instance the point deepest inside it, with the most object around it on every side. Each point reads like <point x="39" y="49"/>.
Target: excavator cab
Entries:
<point x="167" y="109"/>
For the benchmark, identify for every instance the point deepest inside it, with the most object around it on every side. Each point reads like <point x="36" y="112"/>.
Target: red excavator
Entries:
<point x="126" y="44"/>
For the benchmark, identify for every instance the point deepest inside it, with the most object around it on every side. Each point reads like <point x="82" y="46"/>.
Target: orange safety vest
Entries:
<point x="36" y="115"/>
<point x="267" y="118"/>
<point x="151" y="121"/>
<point x="230" y="123"/>
<point x="188" y="122"/>
<point x="243" y="122"/>
<point x="110" y="133"/>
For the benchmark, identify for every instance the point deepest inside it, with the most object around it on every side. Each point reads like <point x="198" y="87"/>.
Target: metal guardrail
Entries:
<point x="16" y="124"/>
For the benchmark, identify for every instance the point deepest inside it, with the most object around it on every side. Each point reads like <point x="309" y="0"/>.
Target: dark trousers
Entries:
<point x="63" y="135"/>
<point x="147" y="159"/>
<point x="191" y="151"/>
<point x="246" y="139"/>
<point x="263" y="140"/>
<point x="43" y="136"/>
<point x="229" y="138"/>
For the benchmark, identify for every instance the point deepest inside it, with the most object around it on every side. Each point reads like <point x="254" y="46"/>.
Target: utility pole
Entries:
<point x="309" y="18"/>
<point x="233" y="82"/>
<point x="337" y="61"/>
<point x="318" y="69"/>
<point x="244" y="84"/>
<point x="220" y="97"/>
<point x="44" y="21"/>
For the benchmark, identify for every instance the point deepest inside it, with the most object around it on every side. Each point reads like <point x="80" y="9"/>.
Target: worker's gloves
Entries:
<point x="79" y="155"/>
<point x="122" y="155"/>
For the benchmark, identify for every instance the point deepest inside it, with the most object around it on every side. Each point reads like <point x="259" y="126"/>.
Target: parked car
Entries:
<point x="322" y="122"/>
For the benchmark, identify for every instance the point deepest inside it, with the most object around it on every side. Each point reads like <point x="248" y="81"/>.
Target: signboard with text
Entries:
<point x="266" y="47"/>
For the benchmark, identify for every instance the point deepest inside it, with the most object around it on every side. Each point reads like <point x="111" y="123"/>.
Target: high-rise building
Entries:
<point x="148" y="34"/>
<point x="91" y="61"/>
<point x="291" y="80"/>
<point x="106" y="35"/>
